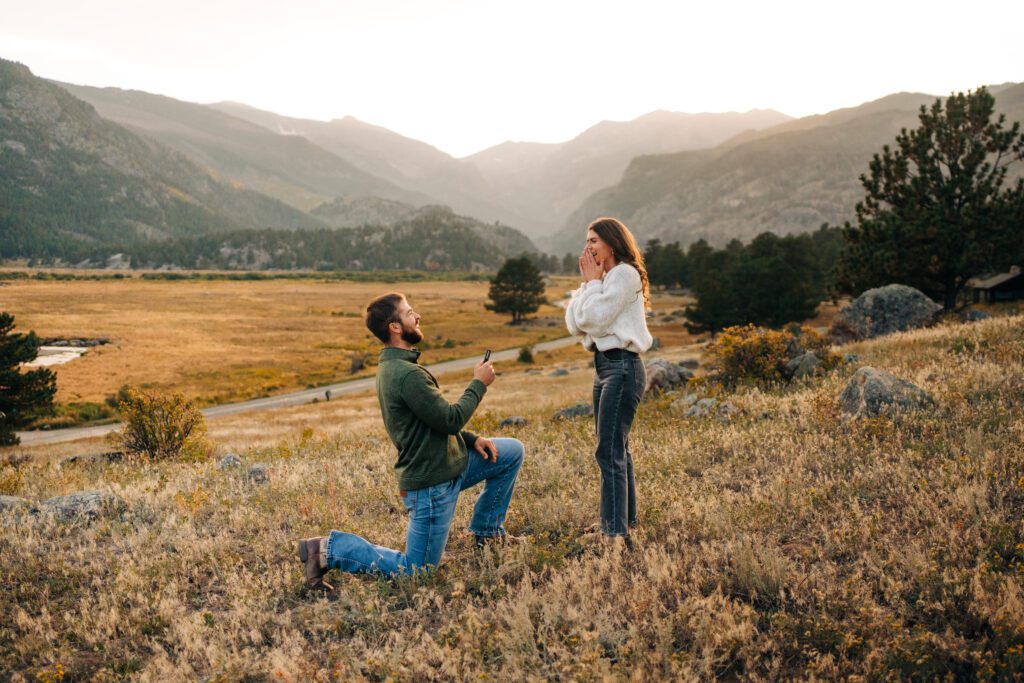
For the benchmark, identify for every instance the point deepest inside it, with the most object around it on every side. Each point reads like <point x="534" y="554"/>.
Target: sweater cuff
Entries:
<point x="478" y="388"/>
<point x="469" y="438"/>
<point x="592" y="284"/>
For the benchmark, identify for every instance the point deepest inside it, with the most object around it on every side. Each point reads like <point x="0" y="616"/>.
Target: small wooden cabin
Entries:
<point x="1002" y="287"/>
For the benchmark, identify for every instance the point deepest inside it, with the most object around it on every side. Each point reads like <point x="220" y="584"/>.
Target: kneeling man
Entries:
<point x="434" y="460"/>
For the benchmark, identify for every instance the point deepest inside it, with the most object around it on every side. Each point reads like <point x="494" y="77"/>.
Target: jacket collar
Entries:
<point x="395" y="353"/>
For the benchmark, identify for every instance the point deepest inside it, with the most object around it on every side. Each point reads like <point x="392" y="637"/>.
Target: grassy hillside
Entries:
<point x="74" y="184"/>
<point x="286" y="167"/>
<point x="785" y="543"/>
<point x="786" y="179"/>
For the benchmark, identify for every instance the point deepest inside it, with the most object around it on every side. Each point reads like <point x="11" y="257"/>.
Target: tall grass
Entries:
<point x="785" y="543"/>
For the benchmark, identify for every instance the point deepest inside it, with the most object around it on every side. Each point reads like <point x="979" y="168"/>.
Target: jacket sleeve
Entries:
<point x="602" y="301"/>
<point x="469" y="438"/>
<point x="422" y="395"/>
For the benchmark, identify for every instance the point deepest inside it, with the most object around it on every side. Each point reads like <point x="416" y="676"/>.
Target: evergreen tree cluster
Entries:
<point x="938" y="208"/>
<point x="24" y="395"/>
<point x="770" y="282"/>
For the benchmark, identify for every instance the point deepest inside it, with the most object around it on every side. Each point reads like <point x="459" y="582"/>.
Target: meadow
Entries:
<point x="220" y="341"/>
<point x="785" y="542"/>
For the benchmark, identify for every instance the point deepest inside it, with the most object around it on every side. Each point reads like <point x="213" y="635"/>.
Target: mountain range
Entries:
<point x="87" y="170"/>
<point x="790" y="178"/>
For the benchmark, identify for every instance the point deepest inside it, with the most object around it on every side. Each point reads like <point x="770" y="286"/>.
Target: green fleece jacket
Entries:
<point x="426" y="429"/>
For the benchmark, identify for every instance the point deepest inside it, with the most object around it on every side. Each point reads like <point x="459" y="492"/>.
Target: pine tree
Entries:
<point x="23" y="395"/>
<point x="936" y="211"/>
<point x="518" y="288"/>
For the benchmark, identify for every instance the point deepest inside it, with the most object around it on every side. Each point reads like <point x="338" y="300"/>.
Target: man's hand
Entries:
<point x="486" y="448"/>
<point x="484" y="372"/>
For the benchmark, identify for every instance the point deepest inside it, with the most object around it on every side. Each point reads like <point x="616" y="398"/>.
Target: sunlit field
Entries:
<point x="221" y="341"/>
<point x="783" y="543"/>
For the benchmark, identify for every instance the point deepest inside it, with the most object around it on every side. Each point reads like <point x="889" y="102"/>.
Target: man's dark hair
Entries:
<point x="381" y="312"/>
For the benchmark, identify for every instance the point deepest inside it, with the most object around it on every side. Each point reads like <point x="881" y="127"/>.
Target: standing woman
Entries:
<point x="608" y="314"/>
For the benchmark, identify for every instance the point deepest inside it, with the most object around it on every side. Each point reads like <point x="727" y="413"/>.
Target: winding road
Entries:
<point x="285" y="400"/>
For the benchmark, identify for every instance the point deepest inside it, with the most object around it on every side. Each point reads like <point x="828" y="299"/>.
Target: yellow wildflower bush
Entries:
<point x="747" y="354"/>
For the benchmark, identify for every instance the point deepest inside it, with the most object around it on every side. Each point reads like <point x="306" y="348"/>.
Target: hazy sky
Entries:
<point x="463" y="75"/>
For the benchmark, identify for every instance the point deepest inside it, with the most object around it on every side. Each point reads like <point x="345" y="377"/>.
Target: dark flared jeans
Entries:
<point x="618" y="386"/>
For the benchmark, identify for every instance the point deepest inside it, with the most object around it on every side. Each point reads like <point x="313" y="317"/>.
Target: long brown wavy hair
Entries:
<point x="616" y="235"/>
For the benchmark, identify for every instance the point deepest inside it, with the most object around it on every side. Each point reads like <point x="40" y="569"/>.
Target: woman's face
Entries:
<point x="600" y="249"/>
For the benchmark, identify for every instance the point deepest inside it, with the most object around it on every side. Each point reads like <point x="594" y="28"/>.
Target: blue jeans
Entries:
<point x="618" y="386"/>
<point x="431" y="511"/>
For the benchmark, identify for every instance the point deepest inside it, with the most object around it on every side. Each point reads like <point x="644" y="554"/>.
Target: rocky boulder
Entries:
<point x="83" y="505"/>
<point x="881" y="311"/>
<point x="578" y="410"/>
<point x="513" y="421"/>
<point x="871" y="392"/>
<point x="664" y="375"/>
<point x="259" y="473"/>
<point x="230" y="461"/>
<point x="804" y="365"/>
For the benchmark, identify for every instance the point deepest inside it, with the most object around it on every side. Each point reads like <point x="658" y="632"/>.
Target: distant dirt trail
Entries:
<point x="285" y="400"/>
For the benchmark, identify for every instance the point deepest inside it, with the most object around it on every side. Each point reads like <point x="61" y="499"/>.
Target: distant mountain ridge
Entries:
<point x="287" y="167"/>
<point x="790" y="178"/>
<point x="541" y="185"/>
<point x="83" y="170"/>
<point x="76" y="187"/>
<point x="407" y="163"/>
<point x="71" y="181"/>
<point x="553" y="180"/>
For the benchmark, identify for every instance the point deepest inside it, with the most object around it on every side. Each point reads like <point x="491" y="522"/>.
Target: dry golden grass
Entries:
<point x="786" y="543"/>
<point x="222" y="341"/>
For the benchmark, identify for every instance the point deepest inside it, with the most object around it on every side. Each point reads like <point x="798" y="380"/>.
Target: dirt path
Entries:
<point x="285" y="400"/>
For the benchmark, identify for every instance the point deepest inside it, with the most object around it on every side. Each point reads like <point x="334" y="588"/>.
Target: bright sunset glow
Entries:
<point x="464" y="75"/>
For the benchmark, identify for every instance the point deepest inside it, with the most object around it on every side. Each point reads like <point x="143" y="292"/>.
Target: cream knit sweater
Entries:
<point x="609" y="313"/>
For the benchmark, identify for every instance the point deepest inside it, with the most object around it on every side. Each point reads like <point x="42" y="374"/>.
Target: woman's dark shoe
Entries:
<point x="311" y="552"/>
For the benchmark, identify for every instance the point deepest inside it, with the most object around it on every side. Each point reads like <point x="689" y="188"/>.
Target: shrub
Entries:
<point x="750" y="353"/>
<point x="160" y="426"/>
<point x="759" y="355"/>
<point x="525" y="355"/>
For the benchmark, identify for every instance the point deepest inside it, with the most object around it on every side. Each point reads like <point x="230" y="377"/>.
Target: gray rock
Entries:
<point x="850" y="358"/>
<point x="559" y="372"/>
<point x="883" y="310"/>
<point x="656" y="342"/>
<point x="973" y="316"/>
<point x="513" y="421"/>
<point x="702" y="408"/>
<point x="230" y="461"/>
<point x="83" y="505"/>
<point x="689" y="363"/>
<point x="14" y="504"/>
<point x="684" y="403"/>
<point x="802" y="366"/>
<point x="259" y="473"/>
<point x="663" y="375"/>
<point x="578" y="410"/>
<point x="871" y="392"/>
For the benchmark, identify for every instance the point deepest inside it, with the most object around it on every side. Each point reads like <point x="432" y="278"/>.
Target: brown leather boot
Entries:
<point x="312" y="551"/>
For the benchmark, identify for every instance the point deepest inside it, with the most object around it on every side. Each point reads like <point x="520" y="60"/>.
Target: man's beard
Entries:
<point x="411" y="337"/>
